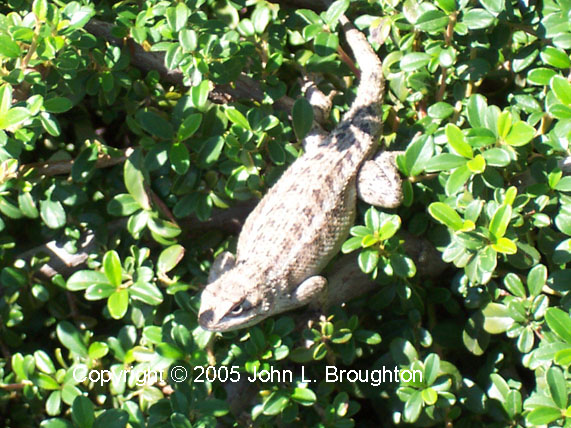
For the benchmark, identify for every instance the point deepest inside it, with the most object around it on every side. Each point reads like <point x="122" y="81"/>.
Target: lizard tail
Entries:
<point x="370" y="90"/>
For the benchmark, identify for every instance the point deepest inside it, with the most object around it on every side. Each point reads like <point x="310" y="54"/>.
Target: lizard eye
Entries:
<point x="244" y="305"/>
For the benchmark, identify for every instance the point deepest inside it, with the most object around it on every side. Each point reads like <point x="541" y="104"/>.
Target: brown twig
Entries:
<point x="51" y="168"/>
<point x="347" y="60"/>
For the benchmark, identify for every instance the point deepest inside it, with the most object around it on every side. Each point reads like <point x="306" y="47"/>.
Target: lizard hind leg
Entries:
<point x="222" y="263"/>
<point x="312" y="290"/>
<point x="379" y="182"/>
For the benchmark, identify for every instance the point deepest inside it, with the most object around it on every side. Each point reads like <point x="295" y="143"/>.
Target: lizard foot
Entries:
<point x="379" y="182"/>
<point x="222" y="263"/>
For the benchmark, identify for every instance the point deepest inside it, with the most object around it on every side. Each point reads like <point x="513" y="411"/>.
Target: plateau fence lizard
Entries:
<point x="302" y="221"/>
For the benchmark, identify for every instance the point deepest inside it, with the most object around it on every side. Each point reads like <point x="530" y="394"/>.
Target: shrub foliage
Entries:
<point x="132" y="134"/>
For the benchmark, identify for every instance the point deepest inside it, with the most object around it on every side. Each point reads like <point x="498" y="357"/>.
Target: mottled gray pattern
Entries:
<point x="302" y="221"/>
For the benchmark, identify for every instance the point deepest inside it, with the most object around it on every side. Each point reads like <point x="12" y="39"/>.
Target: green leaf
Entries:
<point x="170" y="257"/>
<point x="497" y="157"/>
<point x="559" y="322"/>
<point x="99" y="291"/>
<point x="417" y="156"/>
<point x="122" y="205"/>
<point x="476" y="110"/>
<point x="444" y="162"/>
<point x="445" y="215"/>
<point x="514" y="285"/>
<point x="440" y="110"/>
<point x="52" y="214"/>
<point x="118" y="303"/>
<point x="146" y="292"/>
<point x="9" y="209"/>
<point x="302" y="117"/>
<point x="188" y="39"/>
<point x="77" y="15"/>
<point x="555" y="57"/>
<point x="447" y="5"/>
<point x="458" y="142"/>
<point x="457" y="180"/>
<point x="5" y="98"/>
<point x="179" y="158"/>
<point x="326" y="43"/>
<point x="496" y="318"/>
<point x="57" y="104"/>
<point x="8" y="47"/>
<point x="134" y="177"/>
<point x="304" y="396"/>
<point x="500" y="221"/>
<point x="513" y="403"/>
<point x="189" y="126"/>
<point x="178" y="16"/>
<point x="432" y="21"/>
<point x="112" y="268"/>
<point x="536" y="279"/>
<point x="164" y="228"/>
<point x="50" y="124"/>
<point x="13" y="117"/>
<point x="477" y="165"/>
<point x="413" y="61"/>
<point x="562" y="89"/>
<point x="525" y="341"/>
<point x="275" y="404"/>
<point x="154" y="124"/>
<point x="309" y="16"/>
<point x="504" y="124"/>
<point x="112" y="418"/>
<point x="563" y="357"/>
<point x="45" y="381"/>
<point x="84" y="278"/>
<point x="429" y="396"/>
<point x="402" y="266"/>
<point x="389" y="227"/>
<point x="368" y="260"/>
<point x="543" y="415"/>
<point x="557" y="387"/>
<point x="477" y="18"/>
<point x="84" y="165"/>
<point x="540" y="75"/>
<point x="261" y="18"/>
<point x="199" y="95"/>
<point x="334" y="12"/>
<point x="494" y="6"/>
<point x="40" y="9"/>
<point x="55" y="423"/>
<point x="367" y="336"/>
<point x="70" y="337"/>
<point x="351" y="244"/>
<point x="98" y="350"/>
<point x="82" y="412"/>
<point x="234" y="115"/>
<point x="211" y="150"/>
<point x="475" y="338"/>
<point x="43" y="362"/>
<point x="413" y="407"/>
<point x="431" y="368"/>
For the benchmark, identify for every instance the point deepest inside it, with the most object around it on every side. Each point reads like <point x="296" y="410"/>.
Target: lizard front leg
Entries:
<point x="379" y="182"/>
<point x="222" y="263"/>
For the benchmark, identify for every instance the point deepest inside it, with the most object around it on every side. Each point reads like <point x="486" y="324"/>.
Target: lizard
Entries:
<point x="303" y="219"/>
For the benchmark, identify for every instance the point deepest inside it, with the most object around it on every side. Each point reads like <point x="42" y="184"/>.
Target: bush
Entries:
<point x="134" y="136"/>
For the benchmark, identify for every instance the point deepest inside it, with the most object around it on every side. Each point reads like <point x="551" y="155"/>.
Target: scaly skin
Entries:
<point x="302" y="221"/>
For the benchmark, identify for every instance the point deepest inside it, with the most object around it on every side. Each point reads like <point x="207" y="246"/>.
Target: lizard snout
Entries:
<point x="205" y="318"/>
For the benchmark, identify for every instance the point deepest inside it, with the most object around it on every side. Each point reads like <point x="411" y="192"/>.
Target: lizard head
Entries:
<point x="231" y="302"/>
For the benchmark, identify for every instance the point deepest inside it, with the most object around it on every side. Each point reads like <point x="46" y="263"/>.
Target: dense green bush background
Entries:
<point x="138" y="174"/>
